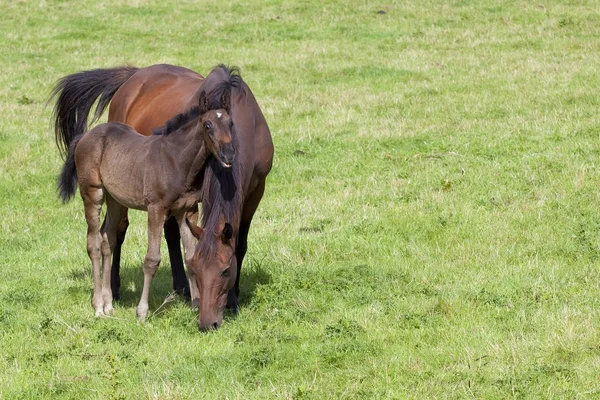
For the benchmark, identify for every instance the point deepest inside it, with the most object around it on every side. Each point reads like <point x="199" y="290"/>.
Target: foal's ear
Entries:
<point x="226" y="101"/>
<point x="227" y="232"/>
<point x="196" y="230"/>
<point x="203" y="102"/>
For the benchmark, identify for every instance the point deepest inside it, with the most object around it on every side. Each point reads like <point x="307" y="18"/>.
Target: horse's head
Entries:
<point x="215" y="272"/>
<point x="217" y="129"/>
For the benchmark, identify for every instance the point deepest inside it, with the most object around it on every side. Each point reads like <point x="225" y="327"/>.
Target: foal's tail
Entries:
<point x="67" y="181"/>
<point x="77" y="93"/>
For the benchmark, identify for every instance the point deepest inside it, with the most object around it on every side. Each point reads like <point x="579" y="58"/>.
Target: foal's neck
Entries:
<point x="192" y="152"/>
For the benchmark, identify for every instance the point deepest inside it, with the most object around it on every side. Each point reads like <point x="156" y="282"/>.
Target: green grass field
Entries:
<point x="430" y="228"/>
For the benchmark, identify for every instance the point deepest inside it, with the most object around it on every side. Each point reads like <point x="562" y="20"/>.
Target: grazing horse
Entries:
<point x="163" y="176"/>
<point x="147" y="97"/>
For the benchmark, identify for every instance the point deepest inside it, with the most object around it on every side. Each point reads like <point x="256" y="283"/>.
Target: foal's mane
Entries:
<point x="178" y="121"/>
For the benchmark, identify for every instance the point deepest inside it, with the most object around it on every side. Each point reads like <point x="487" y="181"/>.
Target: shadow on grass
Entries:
<point x="132" y="281"/>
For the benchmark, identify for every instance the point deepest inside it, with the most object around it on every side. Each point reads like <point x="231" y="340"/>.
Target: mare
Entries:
<point x="162" y="179"/>
<point x="147" y="97"/>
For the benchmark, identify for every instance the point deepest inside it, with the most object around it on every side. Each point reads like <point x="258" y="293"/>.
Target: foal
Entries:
<point x="160" y="174"/>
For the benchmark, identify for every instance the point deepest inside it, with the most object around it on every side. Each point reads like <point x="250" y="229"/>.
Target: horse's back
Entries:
<point x="153" y="95"/>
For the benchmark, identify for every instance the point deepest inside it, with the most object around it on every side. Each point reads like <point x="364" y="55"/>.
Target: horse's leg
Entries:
<point x="114" y="213"/>
<point x="180" y="284"/>
<point x="250" y="206"/>
<point x="156" y="219"/>
<point x="92" y="201"/>
<point x="115" y="272"/>
<point x="189" y="246"/>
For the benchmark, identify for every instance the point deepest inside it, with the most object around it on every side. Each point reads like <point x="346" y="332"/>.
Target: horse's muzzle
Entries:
<point x="208" y="327"/>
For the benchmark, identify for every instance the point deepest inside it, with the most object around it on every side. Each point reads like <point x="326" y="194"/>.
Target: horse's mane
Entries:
<point x="221" y="195"/>
<point x="222" y="78"/>
<point x="178" y="121"/>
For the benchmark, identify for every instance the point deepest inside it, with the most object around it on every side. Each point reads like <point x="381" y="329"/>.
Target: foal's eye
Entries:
<point x="207" y="125"/>
<point x="230" y="124"/>
<point x="225" y="273"/>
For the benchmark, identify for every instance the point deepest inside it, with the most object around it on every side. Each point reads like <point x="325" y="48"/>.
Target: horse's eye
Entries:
<point x="225" y="273"/>
<point x="207" y="125"/>
<point x="230" y="124"/>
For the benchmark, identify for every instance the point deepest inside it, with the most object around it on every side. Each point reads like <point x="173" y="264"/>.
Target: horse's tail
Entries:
<point x="77" y="93"/>
<point x="67" y="181"/>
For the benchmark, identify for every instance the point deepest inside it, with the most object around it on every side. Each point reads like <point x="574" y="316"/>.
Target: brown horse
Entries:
<point x="162" y="179"/>
<point x="145" y="98"/>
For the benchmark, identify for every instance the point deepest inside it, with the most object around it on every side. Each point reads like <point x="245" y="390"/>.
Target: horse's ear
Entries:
<point x="196" y="230"/>
<point x="227" y="232"/>
<point x="203" y="102"/>
<point x="226" y="101"/>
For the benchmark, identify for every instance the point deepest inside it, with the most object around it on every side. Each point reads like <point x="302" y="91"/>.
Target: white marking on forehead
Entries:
<point x="219" y="114"/>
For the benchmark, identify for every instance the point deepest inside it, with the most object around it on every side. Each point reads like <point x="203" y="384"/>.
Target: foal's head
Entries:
<point x="216" y="272"/>
<point x="217" y="127"/>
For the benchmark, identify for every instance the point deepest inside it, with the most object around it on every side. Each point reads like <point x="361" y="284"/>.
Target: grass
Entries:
<point x="430" y="228"/>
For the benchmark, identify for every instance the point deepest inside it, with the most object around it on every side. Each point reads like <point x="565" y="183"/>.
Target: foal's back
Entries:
<point x="114" y="157"/>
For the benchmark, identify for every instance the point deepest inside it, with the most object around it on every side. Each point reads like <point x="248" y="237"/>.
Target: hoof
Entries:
<point x="142" y="313"/>
<point x="184" y="292"/>
<point x="108" y="309"/>
<point x="235" y="308"/>
<point x="99" y="312"/>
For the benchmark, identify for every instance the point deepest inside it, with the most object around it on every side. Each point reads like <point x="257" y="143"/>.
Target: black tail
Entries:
<point x="77" y="93"/>
<point x="67" y="181"/>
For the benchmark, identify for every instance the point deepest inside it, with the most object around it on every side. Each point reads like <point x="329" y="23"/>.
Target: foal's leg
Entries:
<point x="189" y="246"/>
<point x="156" y="219"/>
<point x="114" y="213"/>
<point x="92" y="201"/>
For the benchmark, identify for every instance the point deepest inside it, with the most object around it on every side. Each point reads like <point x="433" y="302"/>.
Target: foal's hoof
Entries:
<point x="99" y="312"/>
<point x="108" y="309"/>
<point x="141" y="313"/>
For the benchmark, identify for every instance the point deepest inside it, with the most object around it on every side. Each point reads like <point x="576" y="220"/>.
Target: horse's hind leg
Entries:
<point x="92" y="201"/>
<point x="156" y="219"/>
<point x="114" y="214"/>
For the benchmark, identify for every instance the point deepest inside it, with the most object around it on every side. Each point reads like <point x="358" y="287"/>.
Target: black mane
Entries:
<point x="222" y="78"/>
<point x="177" y="121"/>
<point x="221" y="196"/>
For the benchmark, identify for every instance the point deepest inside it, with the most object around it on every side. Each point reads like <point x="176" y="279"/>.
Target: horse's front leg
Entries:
<point x="114" y="214"/>
<point x="156" y="219"/>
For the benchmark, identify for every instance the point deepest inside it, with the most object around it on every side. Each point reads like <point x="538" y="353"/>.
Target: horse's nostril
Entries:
<point x="215" y="326"/>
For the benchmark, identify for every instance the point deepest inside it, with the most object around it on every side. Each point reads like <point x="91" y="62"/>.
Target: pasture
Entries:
<point x="430" y="228"/>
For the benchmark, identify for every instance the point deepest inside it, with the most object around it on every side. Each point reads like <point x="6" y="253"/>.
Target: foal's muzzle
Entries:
<point x="226" y="156"/>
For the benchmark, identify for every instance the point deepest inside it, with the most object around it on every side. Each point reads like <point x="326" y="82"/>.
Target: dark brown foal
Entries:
<point x="114" y="164"/>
